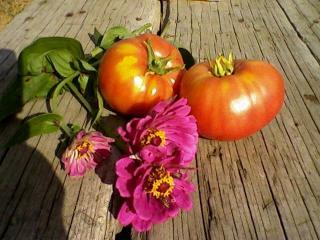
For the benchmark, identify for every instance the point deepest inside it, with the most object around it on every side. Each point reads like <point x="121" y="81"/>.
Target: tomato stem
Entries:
<point x="158" y="64"/>
<point x="222" y="66"/>
<point x="142" y="29"/>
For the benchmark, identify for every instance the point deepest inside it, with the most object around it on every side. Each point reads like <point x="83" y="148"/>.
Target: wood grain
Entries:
<point x="262" y="187"/>
<point x="38" y="201"/>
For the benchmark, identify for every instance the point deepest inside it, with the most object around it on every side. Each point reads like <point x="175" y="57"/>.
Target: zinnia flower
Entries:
<point x="167" y="125"/>
<point x="154" y="188"/>
<point x="86" y="151"/>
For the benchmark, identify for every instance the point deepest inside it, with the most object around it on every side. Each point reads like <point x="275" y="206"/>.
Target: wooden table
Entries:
<point x="265" y="186"/>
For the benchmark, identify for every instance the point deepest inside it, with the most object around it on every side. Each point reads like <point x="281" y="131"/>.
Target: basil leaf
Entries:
<point x="87" y="66"/>
<point x="97" y="52"/>
<point x="96" y="37"/>
<point x="74" y="128"/>
<point x="57" y="90"/>
<point x="100" y="106"/>
<point x="37" y="64"/>
<point x="83" y="80"/>
<point x="33" y="61"/>
<point x="113" y="35"/>
<point x="41" y="124"/>
<point x="61" y="59"/>
<point x="23" y="89"/>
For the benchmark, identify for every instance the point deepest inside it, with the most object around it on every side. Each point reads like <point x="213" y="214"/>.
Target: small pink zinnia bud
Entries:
<point x="86" y="151"/>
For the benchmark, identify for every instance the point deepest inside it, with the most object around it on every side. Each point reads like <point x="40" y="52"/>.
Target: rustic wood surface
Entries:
<point x="264" y="187"/>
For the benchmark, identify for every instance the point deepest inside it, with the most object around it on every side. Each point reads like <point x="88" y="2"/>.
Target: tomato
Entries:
<point x="137" y="73"/>
<point x="236" y="103"/>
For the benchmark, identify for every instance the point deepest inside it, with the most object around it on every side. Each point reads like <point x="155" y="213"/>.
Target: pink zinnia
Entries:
<point x="168" y="125"/>
<point x="86" y="151"/>
<point x="154" y="188"/>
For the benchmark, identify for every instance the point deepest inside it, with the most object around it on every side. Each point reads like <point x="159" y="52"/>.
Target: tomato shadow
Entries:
<point x="31" y="193"/>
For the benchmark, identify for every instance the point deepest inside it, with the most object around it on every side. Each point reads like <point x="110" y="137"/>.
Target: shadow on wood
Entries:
<point x="31" y="194"/>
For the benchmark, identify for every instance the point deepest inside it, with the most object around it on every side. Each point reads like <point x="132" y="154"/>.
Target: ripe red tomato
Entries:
<point x="233" y="106"/>
<point x="132" y="81"/>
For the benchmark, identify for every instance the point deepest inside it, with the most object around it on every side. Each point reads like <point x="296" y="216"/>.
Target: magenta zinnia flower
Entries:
<point x="154" y="188"/>
<point x="167" y="125"/>
<point x="86" y="151"/>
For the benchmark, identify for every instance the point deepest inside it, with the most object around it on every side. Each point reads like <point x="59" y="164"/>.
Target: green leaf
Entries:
<point x="96" y="37"/>
<point x="145" y="28"/>
<point x="74" y="129"/>
<point x="187" y="57"/>
<point x="97" y="52"/>
<point x="113" y="35"/>
<point x="80" y="97"/>
<point x="87" y="66"/>
<point x="100" y="106"/>
<point x="33" y="61"/>
<point x="83" y="80"/>
<point x="61" y="59"/>
<point x="23" y="89"/>
<point x="41" y="124"/>
<point x="36" y="74"/>
<point x="58" y="88"/>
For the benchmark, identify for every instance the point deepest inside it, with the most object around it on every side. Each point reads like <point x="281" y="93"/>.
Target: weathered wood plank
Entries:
<point x="262" y="187"/>
<point x="269" y="180"/>
<point x="304" y="17"/>
<point x="38" y="200"/>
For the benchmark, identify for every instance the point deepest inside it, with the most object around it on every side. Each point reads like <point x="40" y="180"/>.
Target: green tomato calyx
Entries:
<point x="158" y="65"/>
<point x="222" y="66"/>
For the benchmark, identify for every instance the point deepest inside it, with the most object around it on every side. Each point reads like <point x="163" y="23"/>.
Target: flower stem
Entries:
<point x="76" y="92"/>
<point x="65" y="129"/>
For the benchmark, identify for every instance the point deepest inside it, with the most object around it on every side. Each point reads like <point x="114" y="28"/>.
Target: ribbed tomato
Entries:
<point x="137" y="73"/>
<point x="232" y="99"/>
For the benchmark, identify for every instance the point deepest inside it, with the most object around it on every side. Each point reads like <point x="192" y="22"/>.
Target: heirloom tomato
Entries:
<point x="232" y="99"/>
<point x="137" y="73"/>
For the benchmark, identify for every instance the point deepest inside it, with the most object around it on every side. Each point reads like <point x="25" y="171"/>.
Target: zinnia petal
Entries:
<point x="125" y="186"/>
<point x="168" y="124"/>
<point x="141" y="204"/>
<point x="125" y="215"/>
<point x="181" y="194"/>
<point x="141" y="225"/>
<point x="162" y="144"/>
<point x="85" y="152"/>
<point x="125" y="167"/>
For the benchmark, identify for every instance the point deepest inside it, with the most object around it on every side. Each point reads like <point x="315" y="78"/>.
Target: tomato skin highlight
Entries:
<point x="125" y="82"/>
<point x="235" y="106"/>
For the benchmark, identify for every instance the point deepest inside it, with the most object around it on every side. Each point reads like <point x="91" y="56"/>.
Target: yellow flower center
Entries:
<point x="159" y="183"/>
<point x="155" y="137"/>
<point x="84" y="147"/>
